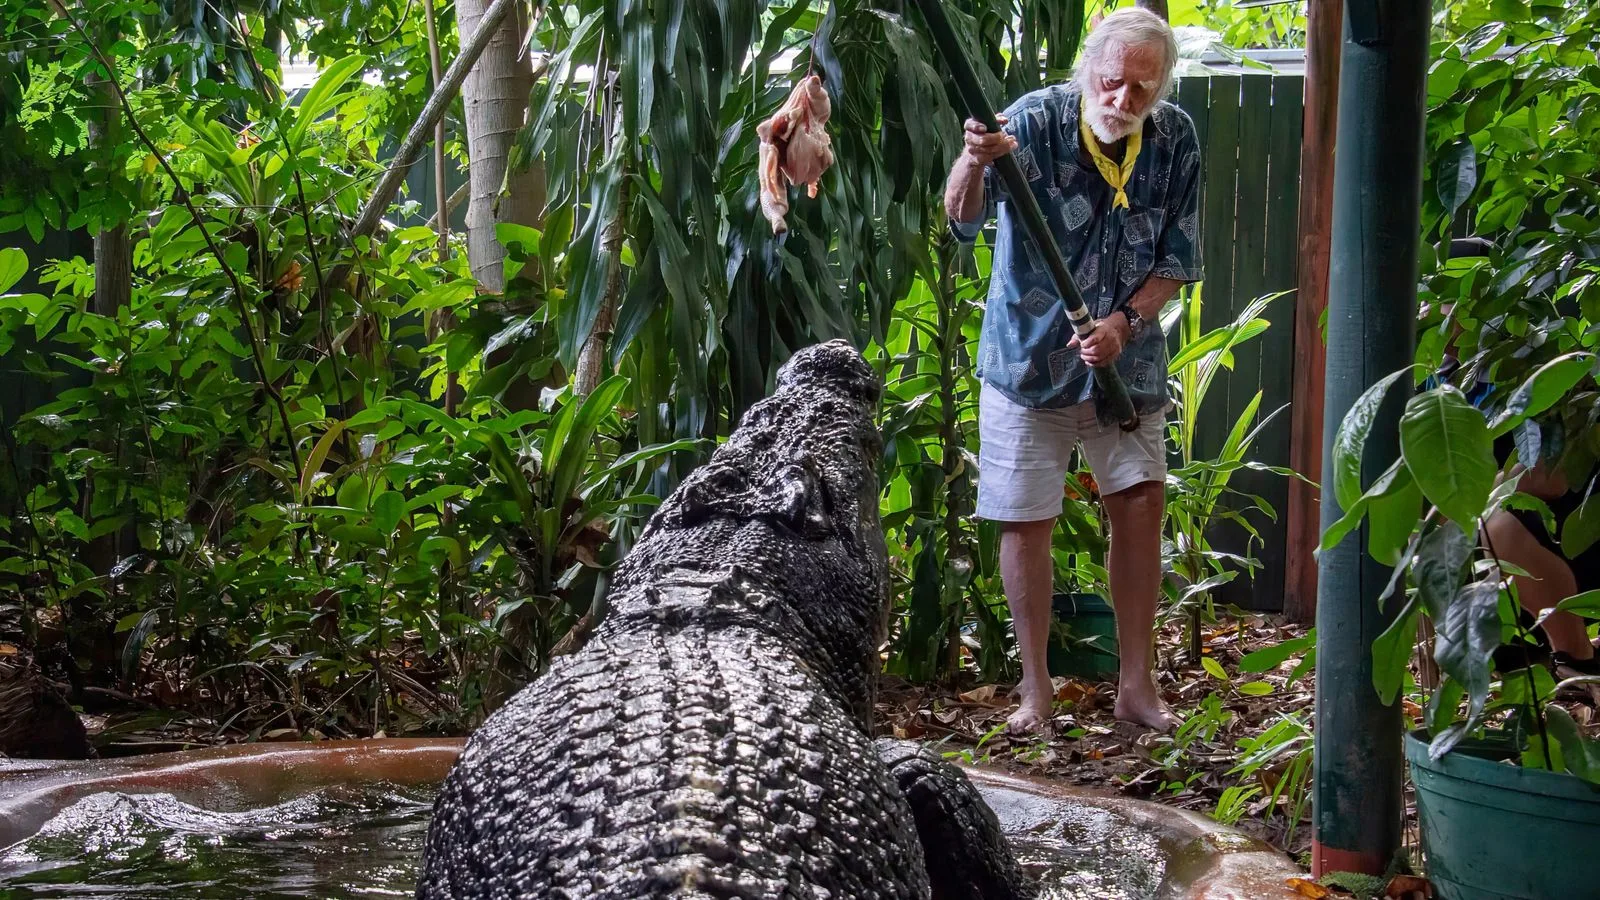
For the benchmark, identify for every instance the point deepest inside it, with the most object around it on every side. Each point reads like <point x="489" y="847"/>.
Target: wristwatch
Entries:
<point x="1136" y="322"/>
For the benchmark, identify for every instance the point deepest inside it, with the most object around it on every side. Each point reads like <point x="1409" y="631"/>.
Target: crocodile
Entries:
<point x="713" y="738"/>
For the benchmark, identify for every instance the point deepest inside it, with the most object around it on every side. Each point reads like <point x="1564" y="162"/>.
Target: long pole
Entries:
<point x="1372" y="309"/>
<point x="1112" y="391"/>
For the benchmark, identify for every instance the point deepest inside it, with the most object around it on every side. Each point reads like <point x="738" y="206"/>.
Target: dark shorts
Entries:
<point x="1586" y="567"/>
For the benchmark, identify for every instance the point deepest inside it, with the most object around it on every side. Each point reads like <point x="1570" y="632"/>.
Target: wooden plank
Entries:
<point x="1249" y="282"/>
<point x="1250" y="230"/>
<point x="1275" y="346"/>
<point x="1220" y="159"/>
<point x="1323" y="29"/>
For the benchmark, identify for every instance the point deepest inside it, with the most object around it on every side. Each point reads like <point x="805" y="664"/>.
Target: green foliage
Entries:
<point x="1199" y="497"/>
<point x="1513" y="120"/>
<point x="376" y="503"/>
<point x="388" y="559"/>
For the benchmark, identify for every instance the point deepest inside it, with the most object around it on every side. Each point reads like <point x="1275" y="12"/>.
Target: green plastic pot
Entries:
<point x="1493" y="830"/>
<point x="1092" y="651"/>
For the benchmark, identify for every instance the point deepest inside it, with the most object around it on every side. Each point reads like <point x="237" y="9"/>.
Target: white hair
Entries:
<point x="1124" y="29"/>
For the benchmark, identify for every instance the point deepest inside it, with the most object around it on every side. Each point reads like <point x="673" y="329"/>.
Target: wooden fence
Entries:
<point x="1249" y="126"/>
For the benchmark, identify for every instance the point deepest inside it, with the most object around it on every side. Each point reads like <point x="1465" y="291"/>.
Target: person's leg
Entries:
<point x="1022" y="465"/>
<point x="1135" y="566"/>
<point x="1548" y="582"/>
<point x="1028" y="573"/>
<point x="1131" y="468"/>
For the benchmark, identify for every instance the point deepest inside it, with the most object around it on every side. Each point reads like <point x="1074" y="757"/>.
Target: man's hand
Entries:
<point x="1105" y="343"/>
<point x="984" y="148"/>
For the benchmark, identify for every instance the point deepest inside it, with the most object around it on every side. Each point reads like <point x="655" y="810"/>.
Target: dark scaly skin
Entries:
<point x="712" y="738"/>
<point x="967" y="854"/>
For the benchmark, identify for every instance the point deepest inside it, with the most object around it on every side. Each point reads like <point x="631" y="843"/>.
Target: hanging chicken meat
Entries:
<point x="794" y="146"/>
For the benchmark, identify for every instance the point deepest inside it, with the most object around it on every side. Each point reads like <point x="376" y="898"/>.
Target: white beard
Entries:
<point x="1110" y="126"/>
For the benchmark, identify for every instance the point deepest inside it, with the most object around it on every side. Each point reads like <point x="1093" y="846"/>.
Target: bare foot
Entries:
<point x="1033" y="710"/>
<point x="1138" y="701"/>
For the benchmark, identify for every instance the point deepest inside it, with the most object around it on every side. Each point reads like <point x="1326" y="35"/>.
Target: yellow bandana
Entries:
<point x="1115" y="175"/>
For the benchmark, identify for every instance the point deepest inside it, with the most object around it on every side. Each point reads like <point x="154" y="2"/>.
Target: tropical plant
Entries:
<point x="1511" y="134"/>
<point x="1199" y="498"/>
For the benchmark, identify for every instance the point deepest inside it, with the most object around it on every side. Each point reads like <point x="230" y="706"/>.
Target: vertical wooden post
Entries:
<point x="1372" y="319"/>
<point x="1323" y="20"/>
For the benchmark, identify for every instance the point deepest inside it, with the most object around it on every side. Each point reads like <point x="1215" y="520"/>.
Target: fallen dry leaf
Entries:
<point x="1406" y="887"/>
<point x="1307" y="888"/>
<point x="983" y="693"/>
<point x="1074" y="691"/>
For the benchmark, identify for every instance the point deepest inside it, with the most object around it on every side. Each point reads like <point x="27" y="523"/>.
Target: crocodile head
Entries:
<point x="780" y="528"/>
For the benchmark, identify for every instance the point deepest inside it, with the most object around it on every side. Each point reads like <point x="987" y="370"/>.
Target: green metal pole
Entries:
<point x="1372" y="309"/>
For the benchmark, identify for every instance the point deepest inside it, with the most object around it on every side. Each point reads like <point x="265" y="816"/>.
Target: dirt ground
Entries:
<point x="1085" y="745"/>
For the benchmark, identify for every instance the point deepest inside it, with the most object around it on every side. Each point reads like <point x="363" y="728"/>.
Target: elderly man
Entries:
<point x="1116" y="170"/>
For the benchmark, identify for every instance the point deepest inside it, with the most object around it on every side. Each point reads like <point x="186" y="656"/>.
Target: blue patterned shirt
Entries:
<point x="1110" y="250"/>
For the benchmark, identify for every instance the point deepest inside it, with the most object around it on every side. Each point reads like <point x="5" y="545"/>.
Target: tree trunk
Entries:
<point x="113" y="290"/>
<point x="496" y="100"/>
<point x="592" y="369"/>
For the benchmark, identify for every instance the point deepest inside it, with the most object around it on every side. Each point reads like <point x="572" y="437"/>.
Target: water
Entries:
<point x="358" y="842"/>
<point x="346" y="842"/>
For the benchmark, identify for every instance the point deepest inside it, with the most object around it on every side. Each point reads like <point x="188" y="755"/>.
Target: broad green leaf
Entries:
<point x="1529" y="441"/>
<point x="133" y="648"/>
<point x="1268" y="658"/>
<point x="511" y="233"/>
<point x="1444" y="705"/>
<point x="1441" y="555"/>
<point x="1214" y="668"/>
<point x="1350" y="442"/>
<point x="13" y="265"/>
<point x="1586" y="604"/>
<point x="1580" y="754"/>
<point x="1582" y="527"/>
<point x="1531" y="503"/>
<point x="1465" y="638"/>
<point x="414" y="233"/>
<point x="313" y="463"/>
<point x="358" y="535"/>
<point x="505" y="465"/>
<point x="567" y="461"/>
<point x="387" y="509"/>
<point x="1447" y="447"/>
<point x="353" y="493"/>
<point x="1255" y="688"/>
<point x="1391" y="653"/>
<point x="1547" y="385"/>
<point x="1457" y="174"/>
<point x="322" y="97"/>
<point x="1391" y="519"/>
<point x="645" y="454"/>
<point x="1531" y="686"/>
<point x="434" y="497"/>
<point x="1396" y="478"/>
<point x="418" y="409"/>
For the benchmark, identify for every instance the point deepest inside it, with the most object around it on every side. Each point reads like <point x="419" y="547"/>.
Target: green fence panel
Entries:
<point x="1248" y="126"/>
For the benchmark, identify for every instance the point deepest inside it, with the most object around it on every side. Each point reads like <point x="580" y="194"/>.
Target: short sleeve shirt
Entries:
<point x="1110" y="250"/>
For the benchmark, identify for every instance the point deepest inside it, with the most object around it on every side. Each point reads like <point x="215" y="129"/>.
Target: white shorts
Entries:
<point x="1024" y="454"/>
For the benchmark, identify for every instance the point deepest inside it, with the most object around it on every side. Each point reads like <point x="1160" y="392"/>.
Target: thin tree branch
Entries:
<point x="183" y="197"/>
